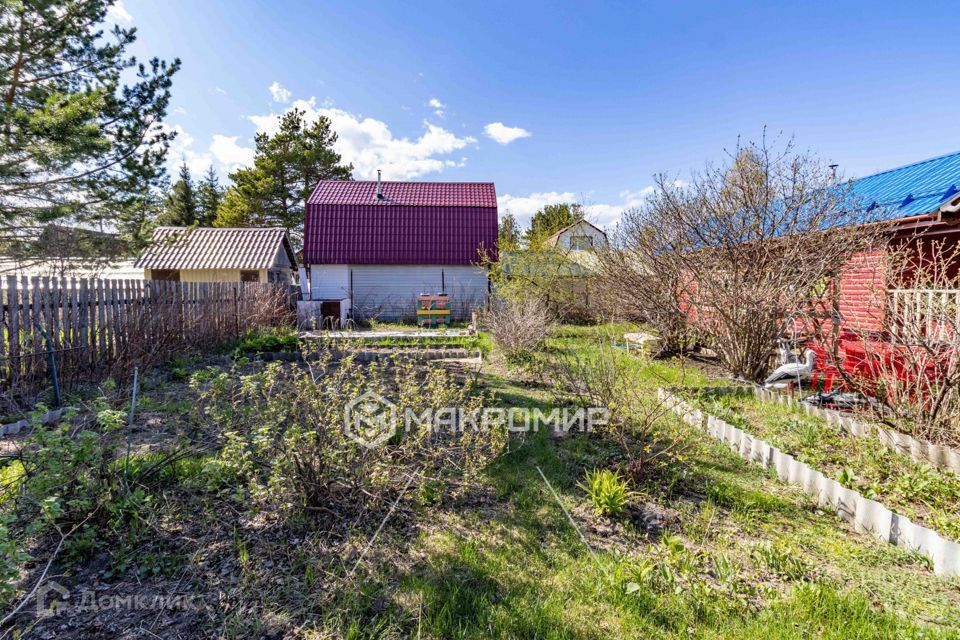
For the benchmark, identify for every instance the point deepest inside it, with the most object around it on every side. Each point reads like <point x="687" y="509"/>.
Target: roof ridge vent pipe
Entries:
<point x="833" y="171"/>
<point x="379" y="186"/>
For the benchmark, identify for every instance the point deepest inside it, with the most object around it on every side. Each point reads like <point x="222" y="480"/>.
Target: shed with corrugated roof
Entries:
<point x="214" y="254"/>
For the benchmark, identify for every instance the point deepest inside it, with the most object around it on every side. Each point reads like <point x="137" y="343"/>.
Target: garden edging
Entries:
<point x="940" y="456"/>
<point x="867" y="516"/>
<point x="14" y="428"/>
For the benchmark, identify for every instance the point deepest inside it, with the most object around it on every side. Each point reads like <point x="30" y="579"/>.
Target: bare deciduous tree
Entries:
<point x="740" y="249"/>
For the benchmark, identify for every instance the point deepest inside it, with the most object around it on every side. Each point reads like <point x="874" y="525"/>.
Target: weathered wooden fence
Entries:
<point x="934" y="313"/>
<point x="91" y="326"/>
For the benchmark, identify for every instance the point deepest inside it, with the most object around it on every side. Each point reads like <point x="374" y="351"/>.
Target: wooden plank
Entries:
<point x="83" y="315"/>
<point x="101" y="322"/>
<point x="112" y="317"/>
<point x="39" y="318"/>
<point x="128" y="315"/>
<point x="4" y="363"/>
<point x="27" y="329"/>
<point x="13" y="329"/>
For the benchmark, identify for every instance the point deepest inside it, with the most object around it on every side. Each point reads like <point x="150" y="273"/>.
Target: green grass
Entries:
<point x="476" y="342"/>
<point x="919" y="491"/>
<point x="748" y="558"/>
<point x="525" y="573"/>
<point x="267" y="341"/>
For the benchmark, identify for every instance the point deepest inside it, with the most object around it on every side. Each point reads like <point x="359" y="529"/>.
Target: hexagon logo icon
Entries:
<point x="370" y="420"/>
<point x="50" y="599"/>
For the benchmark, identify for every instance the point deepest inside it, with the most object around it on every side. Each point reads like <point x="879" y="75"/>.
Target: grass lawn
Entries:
<point x="743" y="556"/>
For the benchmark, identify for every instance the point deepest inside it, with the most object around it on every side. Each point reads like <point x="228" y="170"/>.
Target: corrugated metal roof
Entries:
<point x="417" y="223"/>
<point x="912" y="190"/>
<point x="432" y="194"/>
<point x="215" y="248"/>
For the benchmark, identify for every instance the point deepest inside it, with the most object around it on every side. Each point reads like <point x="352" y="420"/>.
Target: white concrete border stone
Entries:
<point x="867" y="516"/>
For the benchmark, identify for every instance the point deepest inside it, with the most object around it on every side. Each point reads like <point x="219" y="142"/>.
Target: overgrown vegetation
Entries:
<point x="243" y="488"/>
<point x="518" y="328"/>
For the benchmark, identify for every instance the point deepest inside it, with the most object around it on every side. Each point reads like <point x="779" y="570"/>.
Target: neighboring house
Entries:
<point x="579" y="236"/>
<point x="923" y="202"/>
<point x="60" y="251"/>
<point x="209" y="254"/>
<point x="374" y="246"/>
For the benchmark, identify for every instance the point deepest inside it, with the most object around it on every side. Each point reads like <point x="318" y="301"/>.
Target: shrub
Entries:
<point x="518" y="327"/>
<point x="283" y="437"/>
<point x="608" y="492"/>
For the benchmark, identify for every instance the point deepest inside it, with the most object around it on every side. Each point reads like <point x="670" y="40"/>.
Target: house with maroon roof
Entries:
<point x="372" y="247"/>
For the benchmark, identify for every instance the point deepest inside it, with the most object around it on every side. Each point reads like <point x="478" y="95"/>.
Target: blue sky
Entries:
<point x="584" y="102"/>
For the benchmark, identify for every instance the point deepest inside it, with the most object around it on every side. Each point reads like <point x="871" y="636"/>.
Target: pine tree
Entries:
<point x="209" y="196"/>
<point x="286" y="168"/>
<point x="509" y="235"/>
<point x="550" y="219"/>
<point x="75" y="141"/>
<point x="180" y="207"/>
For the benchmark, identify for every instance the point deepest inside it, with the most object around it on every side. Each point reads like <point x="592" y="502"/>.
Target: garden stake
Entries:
<point x="52" y="365"/>
<point x="133" y="406"/>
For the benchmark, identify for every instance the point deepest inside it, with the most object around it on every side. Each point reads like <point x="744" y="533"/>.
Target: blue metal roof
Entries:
<point x="912" y="190"/>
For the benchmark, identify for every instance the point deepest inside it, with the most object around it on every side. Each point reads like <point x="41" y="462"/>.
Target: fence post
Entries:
<point x="236" y="307"/>
<point x="52" y="365"/>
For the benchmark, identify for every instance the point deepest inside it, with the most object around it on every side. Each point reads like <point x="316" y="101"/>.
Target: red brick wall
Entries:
<point x="862" y="296"/>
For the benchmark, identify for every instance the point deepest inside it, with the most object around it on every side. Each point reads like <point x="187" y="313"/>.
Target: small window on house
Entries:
<point x="581" y="242"/>
<point x="168" y="275"/>
<point x="249" y="276"/>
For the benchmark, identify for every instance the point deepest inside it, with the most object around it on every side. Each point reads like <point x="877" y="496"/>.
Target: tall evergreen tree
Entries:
<point x="209" y="197"/>
<point x="181" y="208"/>
<point x="509" y="236"/>
<point x="550" y="219"/>
<point x="286" y="168"/>
<point x="75" y="140"/>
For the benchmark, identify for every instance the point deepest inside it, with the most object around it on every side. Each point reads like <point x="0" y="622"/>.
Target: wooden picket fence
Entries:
<point x="92" y="326"/>
<point x="934" y="313"/>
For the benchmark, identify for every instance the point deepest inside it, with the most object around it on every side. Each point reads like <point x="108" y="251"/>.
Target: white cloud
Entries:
<point x="503" y="134"/>
<point x="279" y="92"/>
<point x="219" y="90"/>
<point x="181" y="151"/>
<point x="178" y="111"/>
<point x="230" y="154"/>
<point x="523" y="207"/>
<point x="369" y="144"/>
<point x="439" y="109"/>
<point x="603" y="214"/>
<point x="118" y="13"/>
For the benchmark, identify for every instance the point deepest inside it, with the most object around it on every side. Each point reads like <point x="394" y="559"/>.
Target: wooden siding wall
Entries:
<point x="93" y="324"/>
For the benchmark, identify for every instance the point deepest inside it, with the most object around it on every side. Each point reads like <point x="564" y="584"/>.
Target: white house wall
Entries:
<point x="388" y="292"/>
<point x="581" y="229"/>
<point x="329" y="281"/>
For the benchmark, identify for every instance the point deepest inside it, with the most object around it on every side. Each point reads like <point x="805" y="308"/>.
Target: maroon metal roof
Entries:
<point x="431" y="194"/>
<point x="415" y="223"/>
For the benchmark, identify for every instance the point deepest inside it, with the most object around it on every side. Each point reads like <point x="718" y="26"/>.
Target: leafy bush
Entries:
<point x="283" y="437"/>
<point x="608" y="492"/>
<point x="267" y="342"/>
